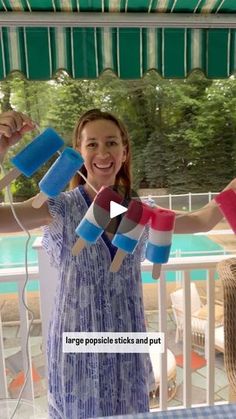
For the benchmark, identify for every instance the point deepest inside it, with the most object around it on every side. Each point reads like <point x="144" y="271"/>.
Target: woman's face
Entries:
<point x="103" y="151"/>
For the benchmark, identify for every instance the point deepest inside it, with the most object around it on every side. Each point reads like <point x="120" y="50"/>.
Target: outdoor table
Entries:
<point x="215" y="412"/>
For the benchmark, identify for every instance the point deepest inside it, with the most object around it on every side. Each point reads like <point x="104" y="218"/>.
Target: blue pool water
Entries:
<point x="12" y="251"/>
<point x="12" y="254"/>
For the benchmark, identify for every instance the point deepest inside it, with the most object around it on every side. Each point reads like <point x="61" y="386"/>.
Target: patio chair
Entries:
<point x="198" y="318"/>
<point x="227" y="273"/>
<point x="154" y="384"/>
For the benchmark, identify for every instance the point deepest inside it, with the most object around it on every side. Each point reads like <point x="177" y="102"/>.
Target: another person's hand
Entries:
<point x="12" y="126"/>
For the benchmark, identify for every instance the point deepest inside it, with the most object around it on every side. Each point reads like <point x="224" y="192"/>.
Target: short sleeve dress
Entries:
<point x="91" y="299"/>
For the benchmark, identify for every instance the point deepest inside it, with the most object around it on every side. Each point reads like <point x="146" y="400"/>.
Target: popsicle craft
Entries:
<point x="59" y="174"/>
<point x="33" y="156"/>
<point x="129" y="231"/>
<point x="160" y="239"/>
<point x="226" y="201"/>
<point x="91" y="228"/>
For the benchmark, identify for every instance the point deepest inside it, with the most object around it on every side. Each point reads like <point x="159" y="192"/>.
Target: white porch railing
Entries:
<point x="47" y="277"/>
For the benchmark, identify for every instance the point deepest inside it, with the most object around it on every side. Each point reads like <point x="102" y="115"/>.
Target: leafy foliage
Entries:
<point x="182" y="132"/>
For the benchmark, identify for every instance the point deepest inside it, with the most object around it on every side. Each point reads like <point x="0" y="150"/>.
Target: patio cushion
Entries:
<point x="219" y="337"/>
<point x="202" y="313"/>
<point x="155" y="359"/>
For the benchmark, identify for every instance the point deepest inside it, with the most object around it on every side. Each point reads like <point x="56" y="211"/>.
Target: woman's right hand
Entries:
<point x="12" y="126"/>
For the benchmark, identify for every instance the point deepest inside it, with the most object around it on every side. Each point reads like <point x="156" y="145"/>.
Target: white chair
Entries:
<point x="198" y="318"/>
<point x="227" y="273"/>
<point x="155" y="381"/>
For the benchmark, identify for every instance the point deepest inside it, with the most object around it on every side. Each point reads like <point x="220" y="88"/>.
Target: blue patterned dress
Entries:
<point x="90" y="298"/>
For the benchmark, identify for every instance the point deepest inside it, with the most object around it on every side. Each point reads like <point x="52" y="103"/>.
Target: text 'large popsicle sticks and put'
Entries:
<point x="58" y="176"/>
<point x="129" y="231"/>
<point x="96" y="219"/>
<point x="160" y="239"/>
<point x="33" y="156"/>
<point x="226" y="201"/>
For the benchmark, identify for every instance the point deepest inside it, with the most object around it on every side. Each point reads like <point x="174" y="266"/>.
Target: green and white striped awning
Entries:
<point x="130" y="37"/>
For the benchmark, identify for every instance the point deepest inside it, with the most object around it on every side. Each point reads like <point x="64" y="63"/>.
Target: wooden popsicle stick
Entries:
<point x="117" y="261"/>
<point x="156" y="270"/>
<point x="9" y="177"/>
<point x="39" y="200"/>
<point x="78" y="246"/>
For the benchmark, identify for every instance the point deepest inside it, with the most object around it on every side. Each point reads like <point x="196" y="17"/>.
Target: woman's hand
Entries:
<point x="12" y="126"/>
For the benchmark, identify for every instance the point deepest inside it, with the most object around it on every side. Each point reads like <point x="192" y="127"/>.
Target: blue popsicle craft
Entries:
<point x="59" y="175"/>
<point x="33" y="156"/>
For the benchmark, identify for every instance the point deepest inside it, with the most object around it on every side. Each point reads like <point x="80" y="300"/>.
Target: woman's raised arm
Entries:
<point x="12" y="126"/>
<point x="203" y="219"/>
<point x="29" y="217"/>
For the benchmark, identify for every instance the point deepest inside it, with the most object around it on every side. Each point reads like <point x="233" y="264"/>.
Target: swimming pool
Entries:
<point x="12" y="251"/>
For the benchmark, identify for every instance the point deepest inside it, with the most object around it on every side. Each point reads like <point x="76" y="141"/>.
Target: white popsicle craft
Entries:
<point x="160" y="239"/>
<point x="129" y="231"/>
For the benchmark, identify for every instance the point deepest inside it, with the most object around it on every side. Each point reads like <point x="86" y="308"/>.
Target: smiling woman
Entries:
<point x="101" y="147"/>
<point x="103" y="141"/>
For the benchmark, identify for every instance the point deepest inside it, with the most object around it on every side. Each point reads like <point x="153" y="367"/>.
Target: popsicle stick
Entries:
<point x="10" y="176"/>
<point x="117" y="261"/>
<point x="156" y="270"/>
<point x="78" y="246"/>
<point x="39" y="200"/>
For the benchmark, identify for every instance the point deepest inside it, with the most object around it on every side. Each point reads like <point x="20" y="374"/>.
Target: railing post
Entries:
<point x="170" y="201"/>
<point x="47" y="281"/>
<point x="28" y="392"/>
<point x="187" y="343"/>
<point x="190" y="201"/>
<point x="210" y="337"/>
<point x="163" y="329"/>
<point x="3" y="381"/>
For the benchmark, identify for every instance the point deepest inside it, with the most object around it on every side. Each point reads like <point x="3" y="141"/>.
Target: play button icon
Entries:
<point x="116" y="209"/>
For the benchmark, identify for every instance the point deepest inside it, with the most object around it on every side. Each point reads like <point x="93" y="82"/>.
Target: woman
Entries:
<point x="89" y="297"/>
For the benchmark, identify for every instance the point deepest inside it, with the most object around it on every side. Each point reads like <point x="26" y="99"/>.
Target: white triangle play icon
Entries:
<point x="116" y="209"/>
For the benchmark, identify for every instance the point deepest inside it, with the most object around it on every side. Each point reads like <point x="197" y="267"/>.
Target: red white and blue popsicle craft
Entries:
<point x="160" y="239"/>
<point x="226" y="201"/>
<point x="129" y="231"/>
<point x="58" y="176"/>
<point x="33" y="156"/>
<point x="91" y="228"/>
